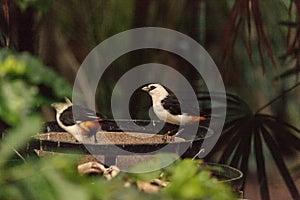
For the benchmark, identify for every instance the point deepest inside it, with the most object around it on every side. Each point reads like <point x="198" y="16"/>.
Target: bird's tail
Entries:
<point x="197" y="118"/>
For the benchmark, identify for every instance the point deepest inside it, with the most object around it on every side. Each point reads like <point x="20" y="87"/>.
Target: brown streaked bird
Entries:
<point x="87" y="124"/>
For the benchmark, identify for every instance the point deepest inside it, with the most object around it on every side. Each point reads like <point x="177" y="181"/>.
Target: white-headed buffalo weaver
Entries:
<point x="167" y="107"/>
<point x="87" y="124"/>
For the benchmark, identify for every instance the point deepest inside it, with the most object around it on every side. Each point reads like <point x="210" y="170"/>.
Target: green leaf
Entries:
<point x="43" y="5"/>
<point x="188" y="180"/>
<point x="69" y="190"/>
<point x="235" y="143"/>
<point x="16" y="100"/>
<point x="277" y="156"/>
<point x="18" y="136"/>
<point x="11" y="65"/>
<point x="29" y="69"/>
<point x="159" y="161"/>
<point x="260" y="163"/>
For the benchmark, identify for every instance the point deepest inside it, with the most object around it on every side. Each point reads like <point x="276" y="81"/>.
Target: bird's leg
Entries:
<point x="170" y="133"/>
<point x="178" y="132"/>
<point x="95" y="138"/>
<point x="165" y="136"/>
<point x="94" y="134"/>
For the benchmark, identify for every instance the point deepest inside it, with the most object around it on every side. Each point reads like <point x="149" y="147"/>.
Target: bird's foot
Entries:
<point x="172" y="135"/>
<point x="166" y="136"/>
<point x="172" y="138"/>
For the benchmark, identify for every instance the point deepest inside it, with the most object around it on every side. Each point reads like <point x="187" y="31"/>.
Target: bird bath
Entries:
<point x="133" y="146"/>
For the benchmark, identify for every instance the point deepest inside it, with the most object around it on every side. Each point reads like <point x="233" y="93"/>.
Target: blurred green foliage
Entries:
<point x="37" y="4"/>
<point x="194" y="183"/>
<point x="188" y="179"/>
<point x="26" y="84"/>
<point x="56" y="177"/>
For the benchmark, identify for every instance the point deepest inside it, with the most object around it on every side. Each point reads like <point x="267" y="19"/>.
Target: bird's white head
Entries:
<point x="59" y="107"/>
<point x="156" y="91"/>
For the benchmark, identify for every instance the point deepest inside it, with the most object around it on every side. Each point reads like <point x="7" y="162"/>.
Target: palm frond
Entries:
<point x="242" y="14"/>
<point x="278" y="158"/>
<point x="260" y="164"/>
<point x="243" y="128"/>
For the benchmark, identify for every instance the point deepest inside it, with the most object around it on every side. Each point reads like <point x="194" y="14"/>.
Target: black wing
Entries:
<point x="172" y="104"/>
<point x="85" y="114"/>
<point x="82" y="115"/>
<point x="66" y="117"/>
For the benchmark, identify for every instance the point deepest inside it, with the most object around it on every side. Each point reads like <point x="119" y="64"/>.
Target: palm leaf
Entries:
<point x="226" y="136"/>
<point x="293" y="71"/>
<point x="295" y="129"/>
<point x="288" y="142"/>
<point x="229" y="149"/>
<point x="243" y="128"/>
<point x="278" y="158"/>
<point x="291" y="24"/>
<point x="261" y="168"/>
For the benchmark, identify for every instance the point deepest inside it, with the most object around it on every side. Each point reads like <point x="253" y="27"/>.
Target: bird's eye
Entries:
<point x="152" y="87"/>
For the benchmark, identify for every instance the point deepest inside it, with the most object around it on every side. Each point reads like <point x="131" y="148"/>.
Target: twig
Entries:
<point x="18" y="154"/>
<point x="278" y="97"/>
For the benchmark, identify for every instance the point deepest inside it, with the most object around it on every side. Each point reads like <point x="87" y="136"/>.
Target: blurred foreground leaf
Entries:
<point x="189" y="180"/>
<point x="19" y="136"/>
<point x="25" y="84"/>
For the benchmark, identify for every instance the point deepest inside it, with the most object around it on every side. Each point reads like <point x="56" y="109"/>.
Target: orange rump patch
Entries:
<point x="197" y="118"/>
<point x="90" y="125"/>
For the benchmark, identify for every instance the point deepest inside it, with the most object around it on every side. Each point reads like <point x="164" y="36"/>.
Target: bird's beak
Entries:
<point x="145" y="89"/>
<point x="54" y="105"/>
